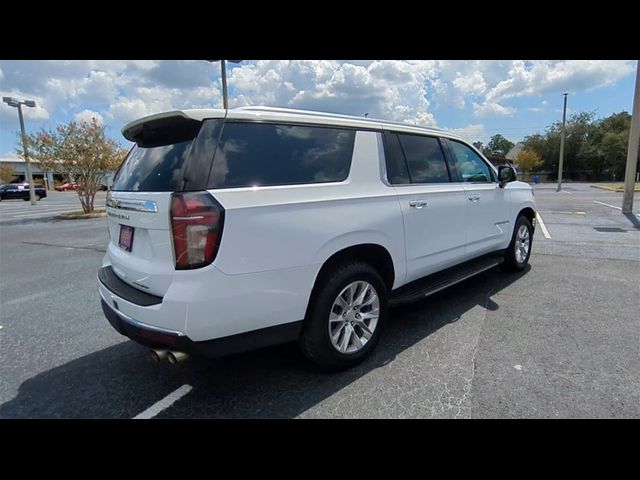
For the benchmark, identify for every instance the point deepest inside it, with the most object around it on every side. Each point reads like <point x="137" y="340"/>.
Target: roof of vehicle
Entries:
<point x="286" y="115"/>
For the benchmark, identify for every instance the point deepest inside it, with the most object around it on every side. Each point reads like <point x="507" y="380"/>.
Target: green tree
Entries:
<point x="479" y="145"/>
<point x="528" y="160"/>
<point x="6" y="174"/>
<point x="498" y="146"/>
<point x="594" y="146"/>
<point x="80" y="151"/>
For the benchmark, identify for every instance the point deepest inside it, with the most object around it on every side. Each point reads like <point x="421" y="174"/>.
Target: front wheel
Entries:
<point x="345" y="317"/>
<point x="519" y="250"/>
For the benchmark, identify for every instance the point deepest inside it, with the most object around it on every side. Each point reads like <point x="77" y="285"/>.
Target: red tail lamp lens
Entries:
<point x="196" y="225"/>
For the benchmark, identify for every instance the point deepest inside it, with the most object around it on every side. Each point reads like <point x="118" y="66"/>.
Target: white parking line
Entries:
<point x="607" y="205"/>
<point x="545" y="232"/>
<point x="612" y="206"/>
<point x="28" y="208"/>
<point x="165" y="403"/>
<point x="48" y="212"/>
<point x="568" y="193"/>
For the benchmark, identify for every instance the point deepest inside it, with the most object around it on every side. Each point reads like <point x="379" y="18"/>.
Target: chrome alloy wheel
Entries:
<point x="522" y="244"/>
<point x="354" y="317"/>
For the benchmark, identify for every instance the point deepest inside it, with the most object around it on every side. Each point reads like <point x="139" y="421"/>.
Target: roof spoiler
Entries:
<point x="162" y="129"/>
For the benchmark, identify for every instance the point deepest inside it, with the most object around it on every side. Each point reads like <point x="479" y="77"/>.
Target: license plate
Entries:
<point x="126" y="237"/>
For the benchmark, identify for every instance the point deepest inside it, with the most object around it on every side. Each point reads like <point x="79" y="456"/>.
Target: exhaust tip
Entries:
<point x="158" y="355"/>
<point x="176" y="357"/>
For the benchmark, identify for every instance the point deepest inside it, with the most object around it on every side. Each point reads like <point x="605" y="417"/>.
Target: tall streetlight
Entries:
<point x="564" y="125"/>
<point x="13" y="102"/>
<point x="223" y="72"/>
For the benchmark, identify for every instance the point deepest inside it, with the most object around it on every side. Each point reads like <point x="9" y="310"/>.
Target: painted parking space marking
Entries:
<point x="612" y="206"/>
<point x="568" y="193"/>
<point x="48" y="212"/>
<point x="165" y="403"/>
<point x="543" y="227"/>
<point x="607" y="205"/>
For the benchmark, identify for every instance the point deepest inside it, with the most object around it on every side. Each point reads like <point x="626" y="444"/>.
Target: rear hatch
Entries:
<point x="172" y="156"/>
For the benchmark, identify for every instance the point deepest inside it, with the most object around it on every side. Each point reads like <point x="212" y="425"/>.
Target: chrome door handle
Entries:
<point x="418" y="203"/>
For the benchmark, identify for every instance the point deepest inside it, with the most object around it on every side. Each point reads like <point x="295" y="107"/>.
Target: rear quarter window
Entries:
<point x="263" y="154"/>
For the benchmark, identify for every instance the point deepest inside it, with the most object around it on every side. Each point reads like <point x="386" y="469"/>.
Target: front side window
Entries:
<point x="261" y="154"/>
<point x="470" y="167"/>
<point x="425" y="159"/>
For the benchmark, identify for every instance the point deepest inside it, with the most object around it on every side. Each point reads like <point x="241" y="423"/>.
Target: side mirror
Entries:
<point x="506" y="174"/>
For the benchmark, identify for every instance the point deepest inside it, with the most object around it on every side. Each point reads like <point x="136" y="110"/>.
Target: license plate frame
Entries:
<point x="125" y="241"/>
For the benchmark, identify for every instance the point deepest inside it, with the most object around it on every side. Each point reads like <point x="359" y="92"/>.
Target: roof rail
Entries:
<point x="332" y="115"/>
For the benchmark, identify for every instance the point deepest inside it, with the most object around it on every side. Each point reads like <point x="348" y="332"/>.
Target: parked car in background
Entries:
<point x="17" y="191"/>
<point x="65" y="187"/>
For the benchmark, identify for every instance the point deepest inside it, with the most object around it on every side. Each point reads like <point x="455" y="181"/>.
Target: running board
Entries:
<point x="424" y="287"/>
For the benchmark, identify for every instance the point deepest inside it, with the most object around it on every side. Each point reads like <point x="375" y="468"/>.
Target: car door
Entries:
<point x="14" y="192"/>
<point x="488" y="226"/>
<point x="433" y="207"/>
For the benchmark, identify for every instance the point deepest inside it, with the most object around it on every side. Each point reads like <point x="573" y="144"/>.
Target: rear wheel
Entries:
<point x="345" y="317"/>
<point x="519" y="250"/>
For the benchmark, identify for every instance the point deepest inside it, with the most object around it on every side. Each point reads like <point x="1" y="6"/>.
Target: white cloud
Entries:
<point x="471" y="132"/>
<point x="403" y="90"/>
<point x="389" y="89"/>
<point x="88" y="116"/>
<point x="492" y="110"/>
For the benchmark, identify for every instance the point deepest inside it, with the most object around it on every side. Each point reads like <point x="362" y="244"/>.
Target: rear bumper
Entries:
<point x="155" y="337"/>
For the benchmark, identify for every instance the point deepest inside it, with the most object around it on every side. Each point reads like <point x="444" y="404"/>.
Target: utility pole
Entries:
<point x="564" y="125"/>
<point x="12" y="102"/>
<point x="632" y="152"/>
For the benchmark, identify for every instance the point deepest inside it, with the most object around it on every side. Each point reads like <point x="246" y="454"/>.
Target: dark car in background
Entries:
<point x="17" y="191"/>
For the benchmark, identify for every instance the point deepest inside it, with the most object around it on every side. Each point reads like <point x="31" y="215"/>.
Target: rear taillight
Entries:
<point x="196" y="226"/>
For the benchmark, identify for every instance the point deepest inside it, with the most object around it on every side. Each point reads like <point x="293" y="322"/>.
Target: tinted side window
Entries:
<point x="251" y="154"/>
<point x="397" y="172"/>
<point x="425" y="159"/>
<point x="470" y="166"/>
<point x="155" y="169"/>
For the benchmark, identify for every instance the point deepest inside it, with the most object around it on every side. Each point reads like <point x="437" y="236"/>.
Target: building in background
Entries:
<point x="47" y="178"/>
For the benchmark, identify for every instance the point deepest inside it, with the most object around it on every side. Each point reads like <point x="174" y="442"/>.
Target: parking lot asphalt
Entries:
<point x="19" y="211"/>
<point x="558" y="340"/>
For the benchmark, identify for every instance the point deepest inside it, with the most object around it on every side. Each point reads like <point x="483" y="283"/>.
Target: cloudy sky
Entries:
<point x="475" y="98"/>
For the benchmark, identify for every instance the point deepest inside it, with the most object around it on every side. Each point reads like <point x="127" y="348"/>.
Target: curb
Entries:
<point x="63" y="216"/>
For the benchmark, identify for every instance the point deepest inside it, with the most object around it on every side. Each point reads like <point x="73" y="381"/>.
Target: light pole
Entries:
<point x="13" y="102"/>
<point x="564" y="124"/>
<point x="632" y="153"/>
<point x="223" y="72"/>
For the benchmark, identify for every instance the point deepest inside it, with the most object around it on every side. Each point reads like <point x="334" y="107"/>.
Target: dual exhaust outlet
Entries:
<point x="173" y="356"/>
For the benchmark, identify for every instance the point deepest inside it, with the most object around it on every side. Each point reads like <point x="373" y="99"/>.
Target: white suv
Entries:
<point x="237" y="229"/>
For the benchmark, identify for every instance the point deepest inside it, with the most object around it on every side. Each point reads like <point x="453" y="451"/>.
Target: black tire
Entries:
<point x="511" y="263"/>
<point x="26" y="199"/>
<point x="315" y="341"/>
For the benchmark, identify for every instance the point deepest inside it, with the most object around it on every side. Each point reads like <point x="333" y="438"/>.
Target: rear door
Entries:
<point x="174" y="156"/>
<point x="433" y="207"/>
<point x="487" y="204"/>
